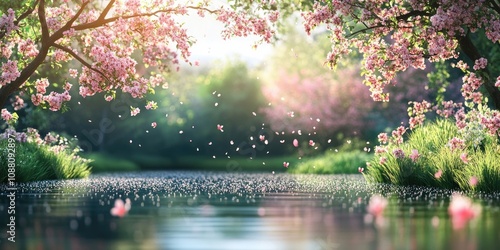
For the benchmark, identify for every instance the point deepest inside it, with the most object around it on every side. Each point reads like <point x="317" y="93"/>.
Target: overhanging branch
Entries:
<point x="100" y="22"/>
<point x="81" y="60"/>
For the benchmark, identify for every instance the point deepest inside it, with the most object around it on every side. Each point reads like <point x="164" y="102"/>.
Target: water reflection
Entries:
<point x="182" y="210"/>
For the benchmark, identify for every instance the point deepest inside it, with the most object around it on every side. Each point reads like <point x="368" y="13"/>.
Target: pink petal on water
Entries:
<point x="121" y="208"/>
<point x="462" y="210"/>
<point x="376" y="205"/>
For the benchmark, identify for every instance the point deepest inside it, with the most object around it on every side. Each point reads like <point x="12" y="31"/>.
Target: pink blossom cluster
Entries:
<point x="240" y="25"/>
<point x="6" y="115"/>
<point x="28" y="48"/>
<point x="492" y="122"/>
<point x="456" y="144"/>
<point x="414" y="155"/>
<point x="472" y="82"/>
<point x="7" y="24"/>
<point x="18" y="103"/>
<point x="380" y="149"/>
<point x="397" y="135"/>
<point x="398" y="153"/>
<point x="474" y="124"/>
<point x="54" y="100"/>
<point x="151" y="105"/>
<point x="383" y="138"/>
<point x="417" y="113"/>
<point x="480" y="63"/>
<point x="10" y="72"/>
<point x="134" y="111"/>
<point x="41" y="85"/>
<point x="58" y="16"/>
<point x="448" y="109"/>
<point x="11" y="133"/>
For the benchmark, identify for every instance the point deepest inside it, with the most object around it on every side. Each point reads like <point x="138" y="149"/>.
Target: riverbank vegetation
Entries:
<point x="433" y="155"/>
<point x="34" y="162"/>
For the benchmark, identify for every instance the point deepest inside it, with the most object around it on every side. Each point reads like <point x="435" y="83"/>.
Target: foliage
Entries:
<point x="342" y="162"/>
<point x="105" y="163"/>
<point x="38" y="162"/>
<point x="434" y="156"/>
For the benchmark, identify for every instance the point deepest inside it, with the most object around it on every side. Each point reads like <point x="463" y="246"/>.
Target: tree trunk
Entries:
<point x="471" y="51"/>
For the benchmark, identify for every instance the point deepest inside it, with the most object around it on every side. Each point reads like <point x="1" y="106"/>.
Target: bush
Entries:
<point x="333" y="163"/>
<point x="38" y="162"/>
<point x="456" y="166"/>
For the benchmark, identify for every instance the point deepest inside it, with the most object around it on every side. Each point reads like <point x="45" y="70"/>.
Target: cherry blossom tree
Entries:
<point x="394" y="36"/>
<point x="102" y="37"/>
<point x="321" y="103"/>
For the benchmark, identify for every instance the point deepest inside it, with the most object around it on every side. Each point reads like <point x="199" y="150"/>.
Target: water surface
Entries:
<point x="206" y="210"/>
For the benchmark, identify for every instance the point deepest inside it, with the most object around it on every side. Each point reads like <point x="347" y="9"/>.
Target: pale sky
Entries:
<point x="210" y="46"/>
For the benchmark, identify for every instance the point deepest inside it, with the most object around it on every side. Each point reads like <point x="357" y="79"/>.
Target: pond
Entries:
<point x="212" y="210"/>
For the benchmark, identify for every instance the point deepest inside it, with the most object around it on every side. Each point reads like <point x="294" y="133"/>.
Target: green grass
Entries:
<point x="211" y="164"/>
<point x="431" y="142"/>
<point x="107" y="163"/>
<point x="34" y="162"/>
<point x="259" y="164"/>
<point x="333" y="163"/>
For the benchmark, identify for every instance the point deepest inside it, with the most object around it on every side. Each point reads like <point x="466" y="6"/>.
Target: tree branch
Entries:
<point x="59" y="33"/>
<point x="22" y="16"/>
<point x="412" y="13"/>
<point x="106" y="10"/>
<point x="100" y="22"/>
<point x="81" y="60"/>
<point x="494" y="5"/>
<point x="43" y="23"/>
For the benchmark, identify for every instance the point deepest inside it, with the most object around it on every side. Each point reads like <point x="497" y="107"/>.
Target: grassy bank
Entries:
<point x="474" y="166"/>
<point x="333" y="163"/>
<point x="329" y="163"/>
<point x="35" y="162"/>
<point x="106" y="163"/>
